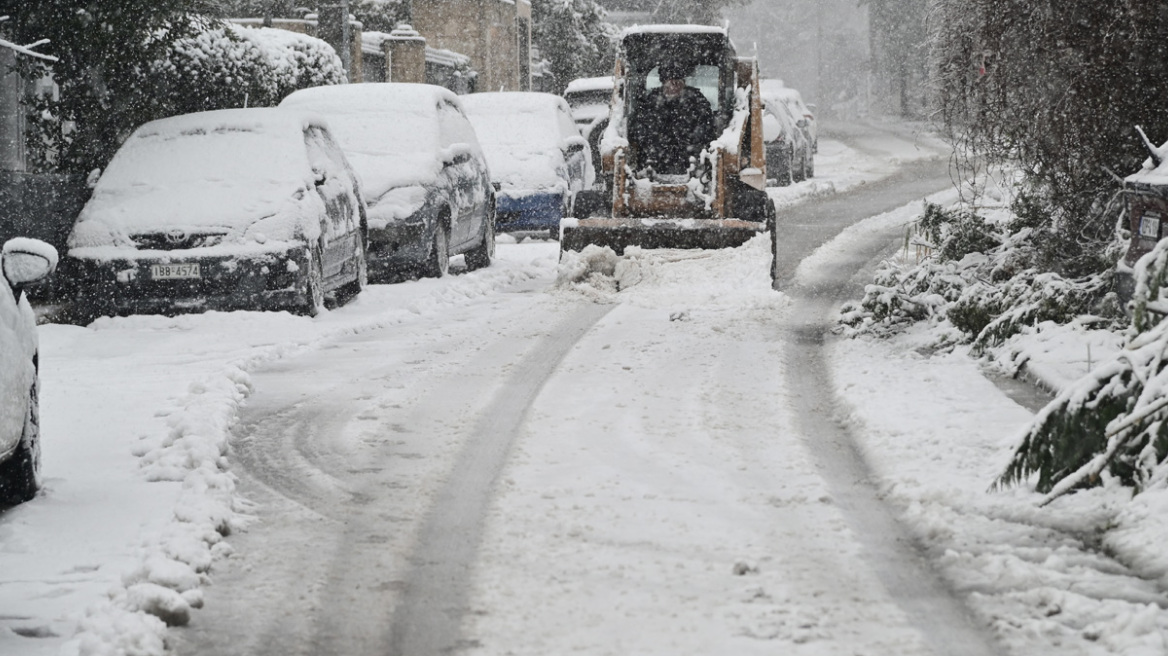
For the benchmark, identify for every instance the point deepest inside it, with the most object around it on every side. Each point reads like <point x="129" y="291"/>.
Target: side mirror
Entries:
<point x="318" y="177"/>
<point x="27" y="261"/>
<point x="573" y="145"/>
<point x="458" y="153"/>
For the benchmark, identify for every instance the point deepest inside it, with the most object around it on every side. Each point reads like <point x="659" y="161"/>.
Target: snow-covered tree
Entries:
<point x="121" y="63"/>
<point x="898" y="39"/>
<point x="1056" y="86"/>
<point x="103" y="50"/>
<point x="575" y="37"/>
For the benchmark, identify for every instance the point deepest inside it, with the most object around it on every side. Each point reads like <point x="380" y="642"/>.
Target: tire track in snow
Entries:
<point x="944" y="621"/>
<point x="433" y="600"/>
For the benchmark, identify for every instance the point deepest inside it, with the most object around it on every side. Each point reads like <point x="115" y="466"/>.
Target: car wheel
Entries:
<point x="810" y="167"/>
<point x="786" y="176"/>
<point x="355" y="287"/>
<point x="438" y="263"/>
<point x="314" y="284"/>
<point x="799" y="171"/>
<point x="20" y="475"/>
<point x="480" y="256"/>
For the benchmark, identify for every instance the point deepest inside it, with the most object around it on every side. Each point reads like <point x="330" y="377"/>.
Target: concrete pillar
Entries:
<point x="344" y="35"/>
<point x="405" y="55"/>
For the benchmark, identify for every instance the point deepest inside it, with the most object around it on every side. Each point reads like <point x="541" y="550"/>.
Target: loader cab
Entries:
<point x="705" y="53"/>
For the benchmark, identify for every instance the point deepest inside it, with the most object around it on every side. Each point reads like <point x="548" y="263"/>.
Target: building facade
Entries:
<point x="495" y="34"/>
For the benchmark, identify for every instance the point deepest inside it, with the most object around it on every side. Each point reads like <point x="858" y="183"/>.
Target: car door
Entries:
<point x="463" y="171"/>
<point x="337" y="186"/>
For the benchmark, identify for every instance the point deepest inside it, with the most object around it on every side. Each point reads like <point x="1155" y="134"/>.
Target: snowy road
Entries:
<point x="641" y="511"/>
<point x="535" y="458"/>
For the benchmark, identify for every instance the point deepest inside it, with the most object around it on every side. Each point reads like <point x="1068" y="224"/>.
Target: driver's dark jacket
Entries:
<point x="666" y="132"/>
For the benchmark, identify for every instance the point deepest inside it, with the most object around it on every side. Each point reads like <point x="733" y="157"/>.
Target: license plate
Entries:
<point x="175" y="271"/>
<point x="1150" y="226"/>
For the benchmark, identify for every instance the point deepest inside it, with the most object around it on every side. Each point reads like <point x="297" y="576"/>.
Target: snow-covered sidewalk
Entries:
<point x="1082" y="576"/>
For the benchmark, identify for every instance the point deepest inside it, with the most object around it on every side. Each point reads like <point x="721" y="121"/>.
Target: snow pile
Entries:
<point x="598" y="272"/>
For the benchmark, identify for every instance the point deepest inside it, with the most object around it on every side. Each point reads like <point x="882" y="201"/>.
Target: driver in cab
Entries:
<point x="674" y="122"/>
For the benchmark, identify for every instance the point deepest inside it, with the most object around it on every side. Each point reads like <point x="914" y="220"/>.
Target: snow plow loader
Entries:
<point x="683" y="160"/>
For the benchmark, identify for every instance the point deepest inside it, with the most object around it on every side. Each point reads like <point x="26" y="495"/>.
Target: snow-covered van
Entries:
<point x="422" y="171"/>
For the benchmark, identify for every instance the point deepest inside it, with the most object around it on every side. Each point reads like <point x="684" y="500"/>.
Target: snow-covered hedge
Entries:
<point x="226" y="65"/>
<point x="979" y="277"/>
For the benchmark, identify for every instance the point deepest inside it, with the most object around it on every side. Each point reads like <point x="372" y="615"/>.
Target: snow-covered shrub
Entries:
<point x="980" y="278"/>
<point x="226" y="65"/>
<point x="991" y="313"/>
<point x="1115" y="419"/>
<point x="957" y="231"/>
<point x="298" y="61"/>
<point x="216" y="68"/>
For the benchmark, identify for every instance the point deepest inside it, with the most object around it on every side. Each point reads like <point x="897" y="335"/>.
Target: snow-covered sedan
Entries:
<point x="24" y="262"/>
<point x="230" y="209"/>
<point x="422" y="171"/>
<point x="538" y="159"/>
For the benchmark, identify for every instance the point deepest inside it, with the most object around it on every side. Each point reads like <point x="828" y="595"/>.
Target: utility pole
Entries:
<point x="347" y="39"/>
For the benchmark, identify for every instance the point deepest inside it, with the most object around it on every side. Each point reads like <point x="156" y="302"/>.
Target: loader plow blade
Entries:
<point x="619" y="234"/>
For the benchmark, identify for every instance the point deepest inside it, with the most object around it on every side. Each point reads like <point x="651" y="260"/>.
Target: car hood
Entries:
<point x="115" y="219"/>
<point x="517" y="168"/>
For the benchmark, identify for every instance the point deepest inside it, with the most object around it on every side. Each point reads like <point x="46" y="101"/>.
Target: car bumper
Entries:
<point x="528" y="212"/>
<point x="128" y="283"/>
<point x="398" y="248"/>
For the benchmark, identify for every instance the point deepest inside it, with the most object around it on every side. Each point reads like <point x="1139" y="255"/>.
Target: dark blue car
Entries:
<point x="537" y="158"/>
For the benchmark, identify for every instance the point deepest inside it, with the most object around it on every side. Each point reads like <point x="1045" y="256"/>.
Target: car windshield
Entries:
<point x="223" y="176"/>
<point x="590" y="97"/>
<point x="225" y="155"/>
<point x="519" y="128"/>
<point x="389" y="150"/>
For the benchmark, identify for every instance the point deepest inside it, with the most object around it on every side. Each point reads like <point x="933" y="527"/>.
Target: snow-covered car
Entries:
<point x="589" y="98"/>
<point x="794" y="100"/>
<point x="538" y="159"/>
<point x="24" y="262"/>
<point x="229" y="209"/>
<point x="423" y="174"/>
<point x="788" y="155"/>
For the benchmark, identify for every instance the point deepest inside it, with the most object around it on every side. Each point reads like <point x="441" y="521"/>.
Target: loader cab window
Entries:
<point x="705" y="78"/>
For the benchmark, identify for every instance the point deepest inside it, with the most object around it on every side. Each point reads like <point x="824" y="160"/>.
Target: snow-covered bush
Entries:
<point x="979" y="278"/>
<point x="226" y="65"/>
<point x="112" y="82"/>
<point x="1114" y="421"/>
